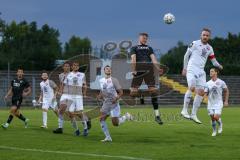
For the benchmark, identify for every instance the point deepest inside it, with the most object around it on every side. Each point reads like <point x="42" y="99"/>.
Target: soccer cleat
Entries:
<point x="43" y="126"/>
<point x="220" y="129"/>
<point x="107" y="139"/>
<point x="5" y="125"/>
<point x="185" y="115"/>
<point x="58" y="131"/>
<point x="158" y="120"/>
<point x="26" y="123"/>
<point x="77" y="132"/>
<point x="214" y="133"/>
<point x="89" y="124"/>
<point x="129" y="116"/>
<point x="85" y="132"/>
<point x="195" y="119"/>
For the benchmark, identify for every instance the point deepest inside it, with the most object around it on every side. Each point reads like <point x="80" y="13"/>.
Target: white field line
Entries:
<point x="71" y="153"/>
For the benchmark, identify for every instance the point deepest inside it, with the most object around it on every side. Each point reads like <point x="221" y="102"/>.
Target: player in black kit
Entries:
<point x="19" y="88"/>
<point x="143" y="63"/>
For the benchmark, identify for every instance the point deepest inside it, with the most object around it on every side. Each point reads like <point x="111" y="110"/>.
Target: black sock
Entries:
<point x="21" y="117"/>
<point x="10" y="119"/>
<point x="155" y="103"/>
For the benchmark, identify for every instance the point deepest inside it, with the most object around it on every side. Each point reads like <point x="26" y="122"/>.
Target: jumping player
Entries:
<point x="194" y="62"/>
<point x="143" y="62"/>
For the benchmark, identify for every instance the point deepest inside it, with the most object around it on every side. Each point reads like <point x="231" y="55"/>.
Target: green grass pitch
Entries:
<point x="176" y="139"/>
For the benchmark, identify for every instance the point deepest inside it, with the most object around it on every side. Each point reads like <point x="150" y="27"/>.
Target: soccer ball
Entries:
<point x="169" y="18"/>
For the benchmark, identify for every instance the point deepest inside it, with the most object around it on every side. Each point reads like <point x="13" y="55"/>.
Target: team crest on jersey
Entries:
<point x="143" y="47"/>
<point x="208" y="48"/>
<point x="104" y="86"/>
<point x="204" y="52"/>
<point x="75" y="80"/>
<point x="217" y="83"/>
<point x="190" y="45"/>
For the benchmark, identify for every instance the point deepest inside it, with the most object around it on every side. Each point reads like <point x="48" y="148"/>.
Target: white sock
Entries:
<point x="60" y="121"/>
<point x="44" y="114"/>
<point x="196" y="104"/>
<point x="187" y="99"/>
<point x="74" y="124"/>
<point x="84" y="124"/>
<point x="156" y="112"/>
<point x="121" y="120"/>
<point x="105" y="129"/>
<point x="219" y="122"/>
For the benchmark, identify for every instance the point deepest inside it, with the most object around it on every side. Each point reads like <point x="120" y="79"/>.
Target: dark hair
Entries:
<point x="143" y="34"/>
<point x="75" y="62"/>
<point x="44" y="71"/>
<point x="66" y="63"/>
<point x="215" y="69"/>
<point x="106" y="67"/>
<point x="206" y="29"/>
<point x="20" y="68"/>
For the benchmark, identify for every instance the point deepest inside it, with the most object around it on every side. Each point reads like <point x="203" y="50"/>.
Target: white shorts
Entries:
<point x="215" y="111"/>
<point x="74" y="103"/>
<point x="112" y="110"/>
<point x="48" y="103"/>
<point x="197" y="80"/>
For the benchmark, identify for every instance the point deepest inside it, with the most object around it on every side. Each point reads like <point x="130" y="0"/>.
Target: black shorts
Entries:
<point x="17" y="101"/>
<point x="145" y="71"/>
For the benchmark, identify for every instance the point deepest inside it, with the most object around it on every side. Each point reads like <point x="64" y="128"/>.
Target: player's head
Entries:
<point x="214" y="72"/>
<point x="205" y="35"/>
<point x="107" y="70"/>
<point x="75" y="66"/>
<point x="20" y="72"/>
<point x="66" y="67"/>
<point x="143" y="38"/>
<point x="44" y="75"/>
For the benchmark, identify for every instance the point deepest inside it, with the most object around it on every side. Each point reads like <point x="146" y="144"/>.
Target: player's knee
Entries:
<point x="212" y="117"/>
<point x="44" y="110"/>
<point x="200" y="92"/>
<point x="153" y="91"/>
<point x="216" y="117"/>
<point x="192" y="89"/>
<point x="134" y="92"/>
<point x="115" y="122"/>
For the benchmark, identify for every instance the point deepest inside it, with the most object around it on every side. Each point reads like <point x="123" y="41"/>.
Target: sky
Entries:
<point x="116" y="20"/>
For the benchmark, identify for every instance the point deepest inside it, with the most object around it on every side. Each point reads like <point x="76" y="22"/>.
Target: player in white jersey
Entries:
<point x="63" y="105"/>
<point x="75" y="89"/>
<point x="194" y="62"/>
<point x="47" y="97"/>
<point x="110" y="92"/>
<point x="215" y="88"/>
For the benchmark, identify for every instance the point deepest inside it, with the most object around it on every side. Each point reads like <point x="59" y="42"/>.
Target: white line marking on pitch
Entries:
<point x="71" y="153"/>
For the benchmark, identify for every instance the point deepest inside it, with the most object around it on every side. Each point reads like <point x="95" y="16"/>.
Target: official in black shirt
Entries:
<point x="19" y="88"/>
<point x="143" y="63"/>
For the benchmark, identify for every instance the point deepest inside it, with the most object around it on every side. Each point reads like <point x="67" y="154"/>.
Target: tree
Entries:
<point x="25" y="45"/>
<point x="76" y="46"/>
